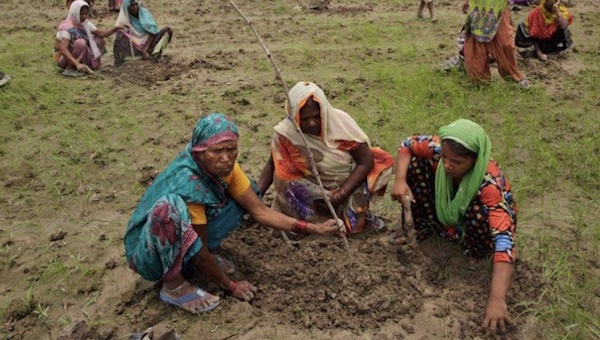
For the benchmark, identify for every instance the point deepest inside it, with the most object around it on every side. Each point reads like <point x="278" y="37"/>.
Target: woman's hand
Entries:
<point x="336" y="197"/>
<point x="496" y="315"/>
<point x="328" y="227"/>
<point x="145" y="55"/>
<point x="400" y="191"/>
<point x="244" y="291"/>
<point x="83" y="68"/>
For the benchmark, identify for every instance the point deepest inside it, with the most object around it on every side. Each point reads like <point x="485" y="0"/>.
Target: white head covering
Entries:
<point x="73" y="18"/>
<point x="336" y="125"/>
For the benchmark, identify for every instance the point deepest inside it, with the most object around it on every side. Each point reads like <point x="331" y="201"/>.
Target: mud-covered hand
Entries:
<point x="244" y="291"/>
<point x="496" y="315"/>
<point x="327" y="227"/>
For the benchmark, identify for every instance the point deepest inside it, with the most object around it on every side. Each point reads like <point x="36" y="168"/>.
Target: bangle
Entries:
<point x="232" y="287"/>
<point x="340" y="195"/>
<point x="300" y="227"/>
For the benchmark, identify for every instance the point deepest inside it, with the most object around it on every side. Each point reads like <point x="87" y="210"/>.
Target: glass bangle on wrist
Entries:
<point x="232" y="287"/>
<point x="300" y="227"/>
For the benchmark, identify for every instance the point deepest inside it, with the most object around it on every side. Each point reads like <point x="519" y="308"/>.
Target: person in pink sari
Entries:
<point x="79" y="43"/>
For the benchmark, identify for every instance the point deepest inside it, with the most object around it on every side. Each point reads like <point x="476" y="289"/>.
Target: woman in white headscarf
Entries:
<point x="351" y="170"/>
<point x="79" y="43"/>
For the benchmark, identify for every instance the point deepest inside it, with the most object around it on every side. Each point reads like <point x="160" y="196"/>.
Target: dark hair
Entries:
<point x="458" y="149"/>
<point x="310" y="103"/>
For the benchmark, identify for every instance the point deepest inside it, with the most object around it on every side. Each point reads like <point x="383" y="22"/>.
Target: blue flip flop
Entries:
<point x="180" y="301"/>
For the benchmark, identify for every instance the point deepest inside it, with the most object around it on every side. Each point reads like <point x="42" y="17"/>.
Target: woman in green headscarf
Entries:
<point x="467" y="199"/>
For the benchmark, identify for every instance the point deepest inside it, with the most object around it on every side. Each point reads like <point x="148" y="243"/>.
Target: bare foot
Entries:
<point x="189" y="297"/>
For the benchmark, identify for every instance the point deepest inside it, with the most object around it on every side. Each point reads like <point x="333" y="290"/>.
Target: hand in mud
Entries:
<point x="328" y="227"/>
<point x="84" y="68"/>
<point x="245" y="291"/>
<point x="496" y="315"/>
<point x="145" y="55"/>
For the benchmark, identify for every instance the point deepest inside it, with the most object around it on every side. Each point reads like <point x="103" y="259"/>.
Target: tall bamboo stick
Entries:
<point x="296" y="126"/>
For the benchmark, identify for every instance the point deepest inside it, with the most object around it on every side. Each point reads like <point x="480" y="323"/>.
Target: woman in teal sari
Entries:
<point x="187" y="212"/>
<point x="143" y="37"/>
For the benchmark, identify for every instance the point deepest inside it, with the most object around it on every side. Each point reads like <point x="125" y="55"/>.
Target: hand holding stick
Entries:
<point x="310" y="155"/>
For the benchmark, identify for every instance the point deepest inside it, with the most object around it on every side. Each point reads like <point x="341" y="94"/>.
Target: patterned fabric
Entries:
<point x="73" y="21"/>
<point x="543" y="24"/>
<point x="501" y="48"/>
<point x="141" y="27"/>
<point x="483" y="19"/>
<point x="122" y="47"/>
<point x="164" y="205"/>
<point x="168" y="242"/>
<point x="296" y="186"/>
<point x="488" y="224"/>
<point x="472" y="137"/>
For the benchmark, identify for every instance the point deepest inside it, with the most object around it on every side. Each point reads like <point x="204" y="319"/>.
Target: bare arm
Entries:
<point x="400" y="188"/>
<point x="562" y="21"/>
<point x="274" y="219"/>
<point x="363" y="157"/>
<point x="496" y="314"/>
<point x="62" y="46"/>
<point x="105" y="33"/>
<point x="266" y="176"/>
<point x="145" y="54"/>
<point x="206" y="261"/>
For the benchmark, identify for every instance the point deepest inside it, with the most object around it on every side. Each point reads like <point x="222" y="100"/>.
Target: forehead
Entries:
<point x="225" y="144"/>
<point x="448" y="153"/>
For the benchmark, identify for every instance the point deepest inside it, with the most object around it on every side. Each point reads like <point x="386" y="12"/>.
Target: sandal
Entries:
<point x="72" y="73"/>
<point x="226" y="265"/>
<point x="180" y="301"/>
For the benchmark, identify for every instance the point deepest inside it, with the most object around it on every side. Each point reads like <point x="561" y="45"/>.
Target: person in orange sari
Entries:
<point x="490" y="33"/>
<point x="546" y="28"/>
<point x="352" y="172"/>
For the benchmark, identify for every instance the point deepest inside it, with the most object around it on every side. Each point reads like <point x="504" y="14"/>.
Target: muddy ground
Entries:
<point x="317" y="289"/>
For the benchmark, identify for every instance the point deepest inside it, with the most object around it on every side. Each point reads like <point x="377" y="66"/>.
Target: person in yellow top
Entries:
<point x="546" y="28"/>
<point x="190" y="208"/>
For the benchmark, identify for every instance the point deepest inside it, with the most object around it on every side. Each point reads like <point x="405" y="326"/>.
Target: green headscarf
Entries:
<point x="473" y="137"/>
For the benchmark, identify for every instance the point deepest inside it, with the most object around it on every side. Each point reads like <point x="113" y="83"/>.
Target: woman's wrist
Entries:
<point x="340" y="195"/>
<point x="231" y="287"/>
<point x="300" y="227"/>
